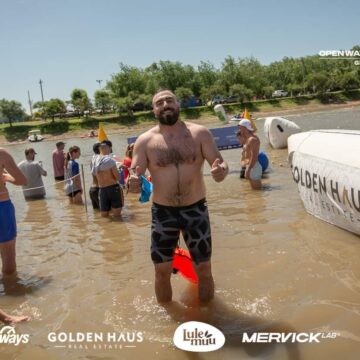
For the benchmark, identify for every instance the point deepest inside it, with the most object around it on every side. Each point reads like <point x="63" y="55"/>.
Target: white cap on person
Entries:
<point x="246" y="123"/>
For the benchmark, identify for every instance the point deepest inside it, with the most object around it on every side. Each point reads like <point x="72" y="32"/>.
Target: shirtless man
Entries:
<point x="9" y="172"/>
<point x="108" y="177"/>
<point x="174" y="152"/>
<point x="249" y="156"/>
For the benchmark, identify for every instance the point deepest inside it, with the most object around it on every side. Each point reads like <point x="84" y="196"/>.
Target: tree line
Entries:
<point x="132" y="87"/>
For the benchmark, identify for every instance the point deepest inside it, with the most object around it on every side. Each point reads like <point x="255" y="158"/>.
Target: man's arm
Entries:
<point x="219" y="167"/>
<point x="42" y="171"/>
<point x="139" y="159"/>
<point x="253" y="147"/>
<point x="17" y="177"/>
<point x="115" y="173"/>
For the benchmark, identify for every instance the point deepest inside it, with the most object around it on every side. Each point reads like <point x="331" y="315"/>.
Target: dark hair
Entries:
<point x="96" y="148"/>
<point x="68" y="157"/>
<point x="106" y="142"/>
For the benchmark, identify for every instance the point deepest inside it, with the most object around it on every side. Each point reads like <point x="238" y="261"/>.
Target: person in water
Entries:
<point x="9" y="173"/>
<point x="33" y="172"/>
<point x="58" y="156"/>
<point x="73" y="188"/>
<point x="174" y="151"/>
<point x="94" y="189"/>
<point x="126" y="165"/>
<point x="108" y="177"/>
<point x="250" y="153"/>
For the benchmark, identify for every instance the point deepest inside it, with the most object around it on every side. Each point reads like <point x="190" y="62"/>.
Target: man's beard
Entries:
<point x="169" y="118"/>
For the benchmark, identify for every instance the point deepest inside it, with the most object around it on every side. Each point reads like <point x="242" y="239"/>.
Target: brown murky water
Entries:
<point x="276" y="268"/>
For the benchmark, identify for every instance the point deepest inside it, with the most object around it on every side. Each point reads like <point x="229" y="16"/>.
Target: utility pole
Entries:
<point x="30" y="104"/>
<point x="42" y="94"/>
<point x="99" y="81"/>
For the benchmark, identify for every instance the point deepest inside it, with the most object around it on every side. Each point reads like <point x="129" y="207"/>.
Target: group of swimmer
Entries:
<point x="173" y="152"/>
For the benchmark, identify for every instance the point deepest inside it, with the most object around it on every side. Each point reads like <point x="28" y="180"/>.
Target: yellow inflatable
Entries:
<point x="247" y="116"/>
<point x="101" y="134"/>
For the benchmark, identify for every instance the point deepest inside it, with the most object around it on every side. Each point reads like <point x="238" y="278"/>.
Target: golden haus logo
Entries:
<point x="9" y="336"/>
<point x="197" y="336"/>
<point x="95" y="340"/>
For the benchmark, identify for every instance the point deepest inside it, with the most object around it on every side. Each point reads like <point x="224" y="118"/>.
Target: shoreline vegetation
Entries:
<point x="132" y="124"/>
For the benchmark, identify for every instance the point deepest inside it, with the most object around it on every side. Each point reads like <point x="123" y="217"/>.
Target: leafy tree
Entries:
<point x="102" y="100"/>
<point x="183" y="94"/>
<point x="350" y="81"/>
<point x="80" y="101"/>
<point x="124" y="105"/>
<point x="51" y="108"/>
<point x="11" y="110"/>
<point x="241" y="91"/>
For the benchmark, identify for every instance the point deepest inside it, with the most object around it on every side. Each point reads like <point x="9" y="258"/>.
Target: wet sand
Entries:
<point x="276" y="268"/>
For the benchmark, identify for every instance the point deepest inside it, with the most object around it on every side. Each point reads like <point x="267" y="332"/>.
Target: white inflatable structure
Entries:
<point x="278" y="129"/>
<point x="221" y="113"/>
<point x="325" y="165"/>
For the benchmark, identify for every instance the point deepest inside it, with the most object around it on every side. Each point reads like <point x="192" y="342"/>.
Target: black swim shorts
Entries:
<point x="111" y="197"/>
<point x="194" y="224"/>
<point x="94" y="196"/>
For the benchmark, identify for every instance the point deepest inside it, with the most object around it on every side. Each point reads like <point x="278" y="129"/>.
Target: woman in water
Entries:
<point x="73" y="188"/>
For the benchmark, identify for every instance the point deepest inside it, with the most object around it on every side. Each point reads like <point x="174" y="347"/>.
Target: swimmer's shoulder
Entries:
<point x="198" y="130"/>
<point x="144" y="139"/>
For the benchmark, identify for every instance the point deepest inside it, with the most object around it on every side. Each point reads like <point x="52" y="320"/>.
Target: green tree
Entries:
<point x="54" y="107"/>
<point x="12" y="110"/>
<point x="128" y="79"/>
<point x="241" y="91"/>
<point x="80" y="101"/>
<point x="51" y="108"/>
<point x="102" y="100"/>
<point x="183" y="94"/>
<point x="124" y="105"/>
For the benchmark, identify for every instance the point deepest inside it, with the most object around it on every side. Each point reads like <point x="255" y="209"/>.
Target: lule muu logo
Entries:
<point x="198" y="337"/>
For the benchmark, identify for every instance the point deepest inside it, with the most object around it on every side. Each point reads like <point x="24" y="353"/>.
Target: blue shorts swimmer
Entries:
<point x="7" y="221"/>
<point x="192" y="221"/>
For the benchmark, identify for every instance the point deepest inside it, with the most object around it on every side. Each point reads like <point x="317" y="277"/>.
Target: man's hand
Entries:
<point x="7" y="178"/>
<point x="134" y="181"/>
<point x="218" y="172"/>
<point x="247" y="172"/>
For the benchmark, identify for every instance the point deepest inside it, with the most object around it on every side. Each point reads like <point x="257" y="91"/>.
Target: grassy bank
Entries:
<point x="19" y="131"/>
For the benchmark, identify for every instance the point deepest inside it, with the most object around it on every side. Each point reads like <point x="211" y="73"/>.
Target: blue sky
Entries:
<point x="72" y="43"/>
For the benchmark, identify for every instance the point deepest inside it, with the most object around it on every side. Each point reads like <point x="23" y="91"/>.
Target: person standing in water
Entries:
<point x="250" y="153"/>
<point x="110" y="194"/>
<point x="33" y="172"/>
<point x="94" y="189"/>
<point x="58" y="157"/>
<point x="9" y="173"/>
<point x="174" y="152"/>
<point x="73" y="188"/>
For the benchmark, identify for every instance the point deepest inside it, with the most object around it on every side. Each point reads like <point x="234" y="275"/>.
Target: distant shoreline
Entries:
<point x="206" y="120"/>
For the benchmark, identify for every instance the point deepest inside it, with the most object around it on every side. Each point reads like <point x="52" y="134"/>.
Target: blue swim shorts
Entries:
<point x="7" y="221"/>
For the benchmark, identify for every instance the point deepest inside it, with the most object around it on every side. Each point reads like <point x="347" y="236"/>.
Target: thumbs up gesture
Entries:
<point x="218" y="171"/>
<point x="134" y="182"/>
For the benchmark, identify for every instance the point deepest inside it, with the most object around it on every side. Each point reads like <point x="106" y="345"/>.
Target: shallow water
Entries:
<point x="276" y="268"/>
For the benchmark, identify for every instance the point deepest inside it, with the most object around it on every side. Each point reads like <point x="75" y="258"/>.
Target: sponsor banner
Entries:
<point x="197" y="336"/>
<point x="329" y="190"/>
<point x="282" y="338"/>
<point x="9" y="336"/>
<point x="95" y="340"/>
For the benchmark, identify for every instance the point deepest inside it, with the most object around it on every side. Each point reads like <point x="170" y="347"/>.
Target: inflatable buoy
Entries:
<point x="183" y="264"/>
<point x="221" y="113"/>
<point x="263" y="160"/>
<point x="101" y="134"/>
<point x="278" y="129"/>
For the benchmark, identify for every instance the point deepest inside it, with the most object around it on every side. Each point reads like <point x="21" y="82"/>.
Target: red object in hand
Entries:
<point x="183" y="263"/>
